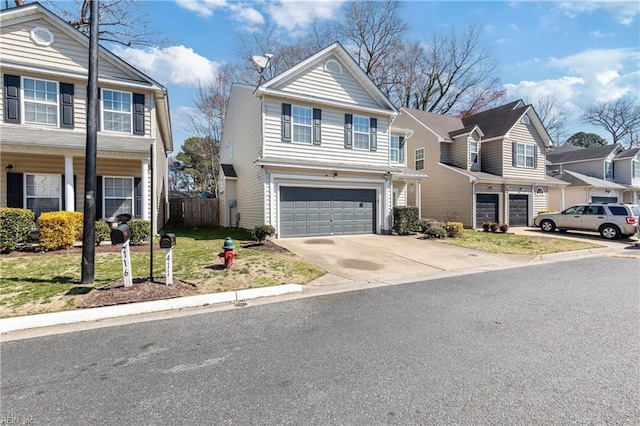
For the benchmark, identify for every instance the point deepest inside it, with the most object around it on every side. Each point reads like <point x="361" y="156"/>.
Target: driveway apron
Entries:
<point x="384" y="257"/>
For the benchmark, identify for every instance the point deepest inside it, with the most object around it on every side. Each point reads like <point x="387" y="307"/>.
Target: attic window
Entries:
<point x="539" y="190"/>
<point x="333" y="66"/>
<point x="42" y="36"/>
<point x="525" y="119"/>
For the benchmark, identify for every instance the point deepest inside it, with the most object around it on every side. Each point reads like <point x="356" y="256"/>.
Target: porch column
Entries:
<point x="69" y="190"/>
<point x="144" y="193"/>
<point x="561" y="198"/>
<point x="419" y="198"/>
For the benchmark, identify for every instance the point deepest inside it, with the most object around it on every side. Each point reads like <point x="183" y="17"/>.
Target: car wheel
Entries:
<point x="547" y="225"/>
<point x="610" y="232"/>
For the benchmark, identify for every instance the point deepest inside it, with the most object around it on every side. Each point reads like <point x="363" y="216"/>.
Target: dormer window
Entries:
<point x="473" y="150"/>
<point x="608" y="169"/>
<point x="635" y="166"/>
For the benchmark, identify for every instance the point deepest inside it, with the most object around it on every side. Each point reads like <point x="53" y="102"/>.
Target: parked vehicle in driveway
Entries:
<point x="611" y="220"/>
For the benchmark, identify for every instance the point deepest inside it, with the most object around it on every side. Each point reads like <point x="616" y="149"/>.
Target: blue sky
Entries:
<point x="582" y="51"/>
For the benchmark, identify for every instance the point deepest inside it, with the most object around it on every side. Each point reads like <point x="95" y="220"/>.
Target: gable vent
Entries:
<point x="333" y="66"/>
<point x="42" y="36"/>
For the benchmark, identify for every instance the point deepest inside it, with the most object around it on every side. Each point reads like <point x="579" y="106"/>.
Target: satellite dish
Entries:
<point x="262" y="61"/>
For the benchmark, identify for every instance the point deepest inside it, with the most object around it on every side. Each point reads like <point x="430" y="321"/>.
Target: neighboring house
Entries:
<point x="603" y="174"/>
<point x="313" y="152"/>
<point x="489" y="167"/>
<point x="43" y="130"/>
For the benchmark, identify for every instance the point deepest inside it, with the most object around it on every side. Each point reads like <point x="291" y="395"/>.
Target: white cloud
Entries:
<point x="293" y="14"/>
<point x="289" y="14"/>
<point x="203" y="8"/>
<point x="172" y="65"/>
<point x="625" y="12"/>
<point x="600" y="34"/>
<point x="513" y="26"/>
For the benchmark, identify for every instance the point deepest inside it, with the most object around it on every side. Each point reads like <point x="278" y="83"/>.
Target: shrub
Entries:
<point x="454" y="229"/>
<point x="103" y="232"/>
<point x="451" y="216"/>
<point x="76" y="219"/>
<point x="435" y="230"/>
<point x="58" y="230"/>
<point x="405" y="219"/>
<point x="503" y="227"/>
<point x="140" y="230"/>
<point x="424" y="224"/>
<point x="486" y="226"/>
<point x="261" y="232"/>
<point x="15" y="226"/>
<point x="493" y="226"/>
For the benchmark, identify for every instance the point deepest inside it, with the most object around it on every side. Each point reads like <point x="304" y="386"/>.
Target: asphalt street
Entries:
<point x="555" y="343"/>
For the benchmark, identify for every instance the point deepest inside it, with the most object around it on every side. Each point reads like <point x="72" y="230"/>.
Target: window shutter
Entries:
<point x="137" y="183"/>
<point x="535" y="157"/>
<point x="138" y="114"/>
<point x="286" y="122"/>
<point x="317" y="126"/>
<point x="348" y="135"/>
<point x="99" y="111"/>
<point x="15" y="196"/>
<point x="66" y="105"/>
<point x="11" y="98"/>
<point x="514" y="154"/>
<point x="98" y="197"/>
<point x="401" y="150"/>
<point x="373" y="131"/>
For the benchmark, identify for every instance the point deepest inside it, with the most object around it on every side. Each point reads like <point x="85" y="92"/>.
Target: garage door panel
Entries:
<point x="518" y="210"/>
<point x="486" y="208"/>
<point x="324" y="211"/>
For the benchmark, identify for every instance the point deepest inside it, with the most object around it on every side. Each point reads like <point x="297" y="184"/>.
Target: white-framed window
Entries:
<point x="635" y="169"/>
<point x="420" y="159"/>
<point x="394" y="149"/>
<point x="118" y="196"/>
<point x="301" y="118"/>
<point x="333" y="66"/>
<point x="525" y="119"/>
<point x="40" y="101"/>
<point x="43" y="192"/>
<point x="608" y="169"/>
<point x="525" y="155"/>
<point x="360" y="132"/>
<point x="473" y="150"/>
<point x="116" y="111"/>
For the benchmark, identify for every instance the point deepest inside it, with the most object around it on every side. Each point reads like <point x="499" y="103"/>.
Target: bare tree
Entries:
<point x="124" y="22"/>
<point x="454" y="73"/>
<point x="621" y="118"/>
<point x="553" y="118"/>
<point x="373" y="33"/>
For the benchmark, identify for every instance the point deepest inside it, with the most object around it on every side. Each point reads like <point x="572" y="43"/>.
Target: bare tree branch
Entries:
<point x="621" y="118"/>
<point x="553" y="118"/>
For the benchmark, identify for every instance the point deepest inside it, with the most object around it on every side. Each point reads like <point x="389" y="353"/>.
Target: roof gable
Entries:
<point x="67" y="39"/>
<point x="442" y="126"/>
<point x="585" y="154"/>
<point x="312" y="78"/>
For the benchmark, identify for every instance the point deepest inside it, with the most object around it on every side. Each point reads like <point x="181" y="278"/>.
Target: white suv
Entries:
<point x="611" y="220"/>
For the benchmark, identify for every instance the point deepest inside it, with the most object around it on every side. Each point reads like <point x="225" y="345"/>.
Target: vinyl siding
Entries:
<point x="524" y="133"/>
<point x="445" y="152"/>
<point x="402" y="188"/>
<point x="446" y="190"/>
<point x="540" y="202"/>
<point x="491" y="156"/>
<point x="593" y="168"/>
<point x="460" y="152"/>
<point x="332" y="145"/>
<point x="242" y="134"/>
<point x="227" y="214"/>
<point x="622" y="172"/>
<point x="66" y="53"/>
<point x="327" y="85"/>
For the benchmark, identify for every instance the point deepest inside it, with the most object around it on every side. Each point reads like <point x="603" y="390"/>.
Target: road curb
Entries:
<point x="95" y="314"/>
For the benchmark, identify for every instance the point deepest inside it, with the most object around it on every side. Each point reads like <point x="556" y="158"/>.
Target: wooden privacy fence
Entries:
<point x="193" y="212"/>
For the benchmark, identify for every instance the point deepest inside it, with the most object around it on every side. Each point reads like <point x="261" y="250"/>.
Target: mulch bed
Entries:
<point x="142" y="290"/>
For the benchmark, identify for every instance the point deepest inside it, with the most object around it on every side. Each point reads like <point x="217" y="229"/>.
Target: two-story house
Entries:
<point x="313" y="152"/>
<point x="43" y="106"/>
<point x="488" y="167"/>
<point x="602" y="174"/>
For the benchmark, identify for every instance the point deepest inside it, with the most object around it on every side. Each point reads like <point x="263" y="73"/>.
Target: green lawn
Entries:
<point x="517" y="244"/>
<point x="49" y="282"/>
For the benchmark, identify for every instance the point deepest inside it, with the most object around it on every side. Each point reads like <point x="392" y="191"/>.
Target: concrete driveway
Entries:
<point x="390" y="257"/>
